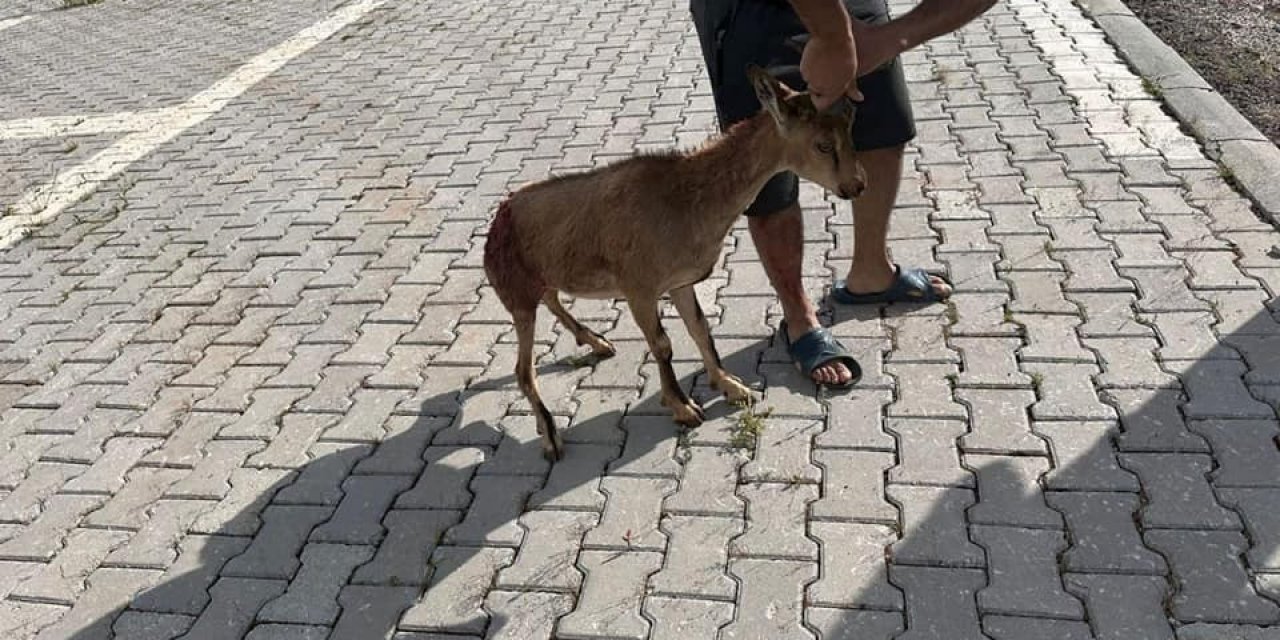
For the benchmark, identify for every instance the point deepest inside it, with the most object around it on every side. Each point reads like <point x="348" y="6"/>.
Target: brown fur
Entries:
<point x="652" y="225"/>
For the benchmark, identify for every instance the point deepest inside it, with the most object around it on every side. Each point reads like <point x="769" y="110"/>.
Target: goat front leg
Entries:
<point x="525" y="321"/>
<point x="644" y="308"/>
<point x="686" y="301"/>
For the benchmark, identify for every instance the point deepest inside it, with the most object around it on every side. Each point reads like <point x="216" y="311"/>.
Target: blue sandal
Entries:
<point x="817" y="348"/>
<point x="909" y="285"/>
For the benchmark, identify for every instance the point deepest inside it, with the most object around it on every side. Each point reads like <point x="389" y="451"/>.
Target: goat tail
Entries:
<point x="517" y="286"/>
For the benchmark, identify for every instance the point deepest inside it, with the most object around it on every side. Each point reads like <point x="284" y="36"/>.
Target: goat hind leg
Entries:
<point x="645" y="311"/>
<point x="686" y="302"/>
<point x="599" y="346"/>
<point x="525" y="321"/>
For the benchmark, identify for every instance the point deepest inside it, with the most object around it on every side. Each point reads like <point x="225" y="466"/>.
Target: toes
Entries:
<point x="940" y="286"/>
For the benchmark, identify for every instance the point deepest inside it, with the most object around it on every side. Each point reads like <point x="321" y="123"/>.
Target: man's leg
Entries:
<point x="779" y="239"/>
<point x="872" y="269"/>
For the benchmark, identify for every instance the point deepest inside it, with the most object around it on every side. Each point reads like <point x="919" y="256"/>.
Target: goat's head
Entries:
<point x="818" y="146"/>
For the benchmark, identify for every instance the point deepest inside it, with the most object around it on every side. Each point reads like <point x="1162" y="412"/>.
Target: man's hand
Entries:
<point x="830" y="68"/>
<point x="829" y="64"/>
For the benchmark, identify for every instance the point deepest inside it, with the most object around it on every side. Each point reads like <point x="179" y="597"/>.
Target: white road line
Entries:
<point x="13" y="22"/>
<point x="41" y="204"/>
<point x="56" y="126"/>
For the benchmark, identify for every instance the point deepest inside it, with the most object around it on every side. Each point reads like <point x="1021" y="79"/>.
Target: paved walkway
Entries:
<point x="253" y="383"/>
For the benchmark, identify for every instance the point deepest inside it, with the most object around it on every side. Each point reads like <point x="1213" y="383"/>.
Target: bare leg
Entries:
<point x="872" y="268"/>
<point x="779" y="238"/>
<point x="644" y="308"/>
<point x="525" y="320"/>
<point x="599" y="346"/>
<point x="686" y="301"/>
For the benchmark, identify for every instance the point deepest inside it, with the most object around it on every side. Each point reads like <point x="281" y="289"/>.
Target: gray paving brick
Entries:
<point x="453" y="601"/>
<point x="934" y="530"/>
<point x="927" y="453"/>
<point x="155" y="543"/>
<point x="1138" y="614"/>
<point x="631" y="514"/>
<point x="854" y="421"/>
<point x="771" y="593"/>
<point x="403" y="554"/>
<point x="312" y="597"/>
<point x="610" y="603"/>
<point x="525" y="614"/>
<point x="776" y="522"/>
<point x="491" y="519"/>
<point x="851" y="624"/>
<point x="783" y="453"/>
<point x="1178" y="491"/>
<point x="545" y="560"/>
<point x="1023" y="575"/>
<point x="233" y="604"/>
<point x="696" y="557"/>
<point x="273" y="631"/>
<point x="854" y="570"/>
<point x="675" y="618"/>
<point x="1083" y="459"/>
<point x="1212" y="584"/>
<point x="107" y="590"/>
<point x="43" y="538"/>
<point x="940" y="602"/>
<point x="1151" y="422"/>
<point x="151" y="626"/>
<point x="989" y="363"/>
<point x="574" y="482"/>
<point x="649" y="448"/>
<point x="129" y="505"/>
<point x="183" y="588"/>
<point x="1009" y="492"/>
<point x="1104" y="534"/>
<point x="61" y="580"/>
<point x="237" y="513"/>
<point x="28" y="618"/>
<point x="1020" y="628"/>
<point x="444" y="482"/>
<point x="274" y="550"/>
<point x="1207" y="631"/>
<point x="852" y="487"/>
<point x="364" y="502"/>
<point x="998" y="422"/>
<point x="1067" y="392"/>
<point x="210" y="477"/>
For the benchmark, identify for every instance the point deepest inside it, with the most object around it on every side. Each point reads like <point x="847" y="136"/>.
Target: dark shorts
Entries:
<point x="736" y="33"/>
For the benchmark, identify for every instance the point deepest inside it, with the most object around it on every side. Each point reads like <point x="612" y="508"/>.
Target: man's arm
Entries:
<point x="829" y="63"/>
<point x="928" y="20"/>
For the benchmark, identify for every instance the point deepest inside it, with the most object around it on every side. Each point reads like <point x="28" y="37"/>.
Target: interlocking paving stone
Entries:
<point x="1178" y="491"/>
<point x="940" y="602"/>
<point x="1023" y="573"/>
<point x="1213" y="585"/>
<point x="675" y="618"/>
<point x="612" y="595"/>
<point x="776" y="522"/>
<point x="1138" y="614"/>
<point x="454" y="599"/>
<point x="525" y="614"/>
<point x="1104" y="534"/>
<point x="771" y="593"/>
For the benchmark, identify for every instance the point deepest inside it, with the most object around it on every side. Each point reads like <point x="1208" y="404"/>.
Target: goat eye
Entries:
<point x="825" y="147"/>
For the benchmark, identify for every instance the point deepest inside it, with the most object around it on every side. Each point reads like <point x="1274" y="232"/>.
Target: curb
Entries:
<point x="1227" y="136"/>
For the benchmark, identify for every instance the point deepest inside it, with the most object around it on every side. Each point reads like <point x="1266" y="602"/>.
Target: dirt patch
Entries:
<point x="1234" y="44"/>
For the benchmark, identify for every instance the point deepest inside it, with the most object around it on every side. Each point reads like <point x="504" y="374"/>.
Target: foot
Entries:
<point x="600" y="347"/>
<point x="733" y="389"/>
<point x="865" y="281"/>
<point x="831" y="373"/>
<point x="552" y="447"/>
<point x="685" y="412"/>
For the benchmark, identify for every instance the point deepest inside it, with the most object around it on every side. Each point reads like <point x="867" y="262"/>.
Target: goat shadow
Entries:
<point x="927" y="589"/>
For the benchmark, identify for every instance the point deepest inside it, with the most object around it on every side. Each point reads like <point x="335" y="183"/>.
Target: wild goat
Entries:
<point x="655" y="224"/>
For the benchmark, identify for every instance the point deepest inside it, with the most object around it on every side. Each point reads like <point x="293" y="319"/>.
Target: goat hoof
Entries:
<point x="552" y="449"/>
<point x="735" y="391"/>
<point x="689" y="415"/>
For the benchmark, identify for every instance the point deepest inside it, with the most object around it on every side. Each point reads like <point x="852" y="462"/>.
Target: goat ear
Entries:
<point x="771" y="93"/>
